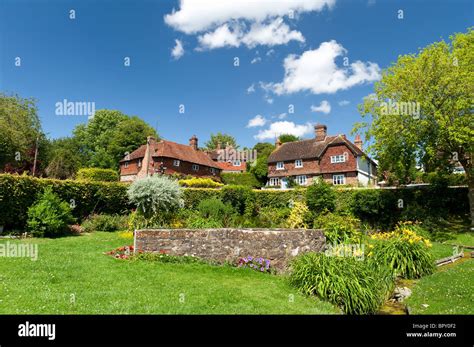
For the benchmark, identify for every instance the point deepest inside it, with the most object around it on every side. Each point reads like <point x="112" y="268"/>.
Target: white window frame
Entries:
<point x="341" y="158"/>
<point x="280" y="165"/>
<point x="176" y="162"/>
<point x="298" y="163"/>
<point x="195" y="167"/>
<point x="236" y="162"/>
<point x="302" y="180"/>
<point x="336" y="179"/>
<point x="139" y="163"/>
<point x="274" y="181"/>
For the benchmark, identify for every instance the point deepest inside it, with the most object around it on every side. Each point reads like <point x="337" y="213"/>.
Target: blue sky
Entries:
<point x="82" y="59"/>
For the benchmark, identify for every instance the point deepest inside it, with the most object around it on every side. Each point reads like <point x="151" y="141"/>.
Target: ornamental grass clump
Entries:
<point x="357" y="287"/>
<point x="403" y="251"/>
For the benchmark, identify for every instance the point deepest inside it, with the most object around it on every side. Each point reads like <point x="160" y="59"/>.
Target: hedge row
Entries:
<point x="378" y="207"/>
<point x="17" y="193"/>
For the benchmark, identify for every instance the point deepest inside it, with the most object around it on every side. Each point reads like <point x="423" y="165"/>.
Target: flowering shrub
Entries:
<point x="403" y="251"/>
<point x="298" y="216"/>
<point x="259" y="264"/>
<point x="200" y="183"/>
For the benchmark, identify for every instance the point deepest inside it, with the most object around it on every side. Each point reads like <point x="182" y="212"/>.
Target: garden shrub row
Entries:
<point x="381" y="208"/>
<point x="18" y="193"/>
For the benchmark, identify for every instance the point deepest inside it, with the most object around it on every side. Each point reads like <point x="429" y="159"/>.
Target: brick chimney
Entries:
<point x="193" y="142"/>
<point x="320" y="131"/>
<point x="358" y="141"/>
<point x="147" y="162"/>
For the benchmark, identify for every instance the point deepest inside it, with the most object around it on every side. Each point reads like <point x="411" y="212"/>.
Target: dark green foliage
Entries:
<point x="241" y="198"/>
<point x="241" y="179"/>
<point x="357" y="287"/>
<point x="96" y="174"/>
<point x="105" y="222"/>
<point x="320" y="196"/>
<point x="17" y="193"/>
<point x="216" y="210"/>
<point x="49" y="216"/>
<point x="193" y="196"/>
<point x="288" y="138"/>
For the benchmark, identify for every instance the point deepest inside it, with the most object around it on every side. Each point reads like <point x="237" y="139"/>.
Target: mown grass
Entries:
<point x="73" y="276"/>
<point x="448" y="291"/>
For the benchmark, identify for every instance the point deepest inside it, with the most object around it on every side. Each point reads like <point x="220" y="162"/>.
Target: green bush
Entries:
<point x="199" y="222"/>
<point x="357" y="287"/>
<point x="199" y="183"/>
<point x="339" y="229"/>
<point x="215" y="209"/>
<point x="320" y="196"/>
<point x="240" y="179"/>
<point x="269" y="217"/>
<point x="155" y="196"/>
<point x="241" y="198"/>
<point x="49" y="216"/>
<point x="96" y="174"/>
<point x="104" y="222"/>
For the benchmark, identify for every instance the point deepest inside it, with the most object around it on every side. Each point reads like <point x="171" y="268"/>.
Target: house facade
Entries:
<point x="229" y="159"/>
<point x="333" y="158"/>
<point x="167" y="157"/>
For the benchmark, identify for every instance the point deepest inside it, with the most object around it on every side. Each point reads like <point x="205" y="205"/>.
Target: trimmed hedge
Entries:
<point x="17" y="193"/>
<point x="378" y="207"/>
<point x="97" y="174"/>
<point x="240" y="179"/>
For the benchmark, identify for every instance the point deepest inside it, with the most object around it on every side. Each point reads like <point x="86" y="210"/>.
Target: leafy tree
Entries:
<point x="109" y="135"/>
<point x="439" y="80"/>
<point x="20" y="133"/>
<point x="64" y="158"/>
<point x="288" y="138"/>
<point x="260" y="167"/>
<point x="223" y="139"/>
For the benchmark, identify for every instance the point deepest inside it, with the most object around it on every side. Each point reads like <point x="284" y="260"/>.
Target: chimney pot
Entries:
<point x="320" y="131"/>
<point x="193" y="142"/>
<point x="358" y="141"/>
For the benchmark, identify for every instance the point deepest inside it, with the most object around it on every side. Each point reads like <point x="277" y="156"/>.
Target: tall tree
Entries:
<point x="223" y="139"/>
<point x="20" y="134"/>
<point x="422" y="111"/>
<point x="109" y="135"/>
<point x="260" y="167"/>
<point x="64" y="158"/>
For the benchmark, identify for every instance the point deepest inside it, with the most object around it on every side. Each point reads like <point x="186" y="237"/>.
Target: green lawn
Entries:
<point x="448" y="291"/>
<point x="73" y="276"/>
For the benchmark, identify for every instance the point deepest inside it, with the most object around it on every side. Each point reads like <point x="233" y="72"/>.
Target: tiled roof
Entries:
<point x="228" y="166"/>
<point x="308" y="149"/>
<point x="173" y="150"/>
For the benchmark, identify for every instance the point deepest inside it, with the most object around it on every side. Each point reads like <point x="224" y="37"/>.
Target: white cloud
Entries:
<point x="256" y="60"/>
<point x="234" y="35"/>
<point x="196" y="16"/>
<point x="257" y="121"/>
<point x="251" y="89"/>
<point x="284" y="127"/>
<point x="282" y="116"/>
<point x="270" y="52"/>
<point x="178" y="50"/>
<point x="344" y="102"/>
<point x="268" y="100"/>
<point x="324" y="107"/>
<point x="231" y="23"/>
<point x="316" y="71"/>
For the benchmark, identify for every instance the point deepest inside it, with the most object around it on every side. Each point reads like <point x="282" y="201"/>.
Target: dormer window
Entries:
<point x="338" y="159"/>
<point x="280" y="165"/>
<point x="298" y="163"/>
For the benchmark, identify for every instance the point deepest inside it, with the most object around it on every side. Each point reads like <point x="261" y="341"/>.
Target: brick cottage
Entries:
<point x="229" y="159"/>
<point x="333" y="158"/>
<point x="166" y="157"/>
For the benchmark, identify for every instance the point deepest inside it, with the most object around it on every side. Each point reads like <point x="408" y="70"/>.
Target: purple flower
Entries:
<point x="262" y="269"/>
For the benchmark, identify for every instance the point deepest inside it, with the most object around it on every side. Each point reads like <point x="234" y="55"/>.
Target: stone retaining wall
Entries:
<point x="221" y="245"/>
